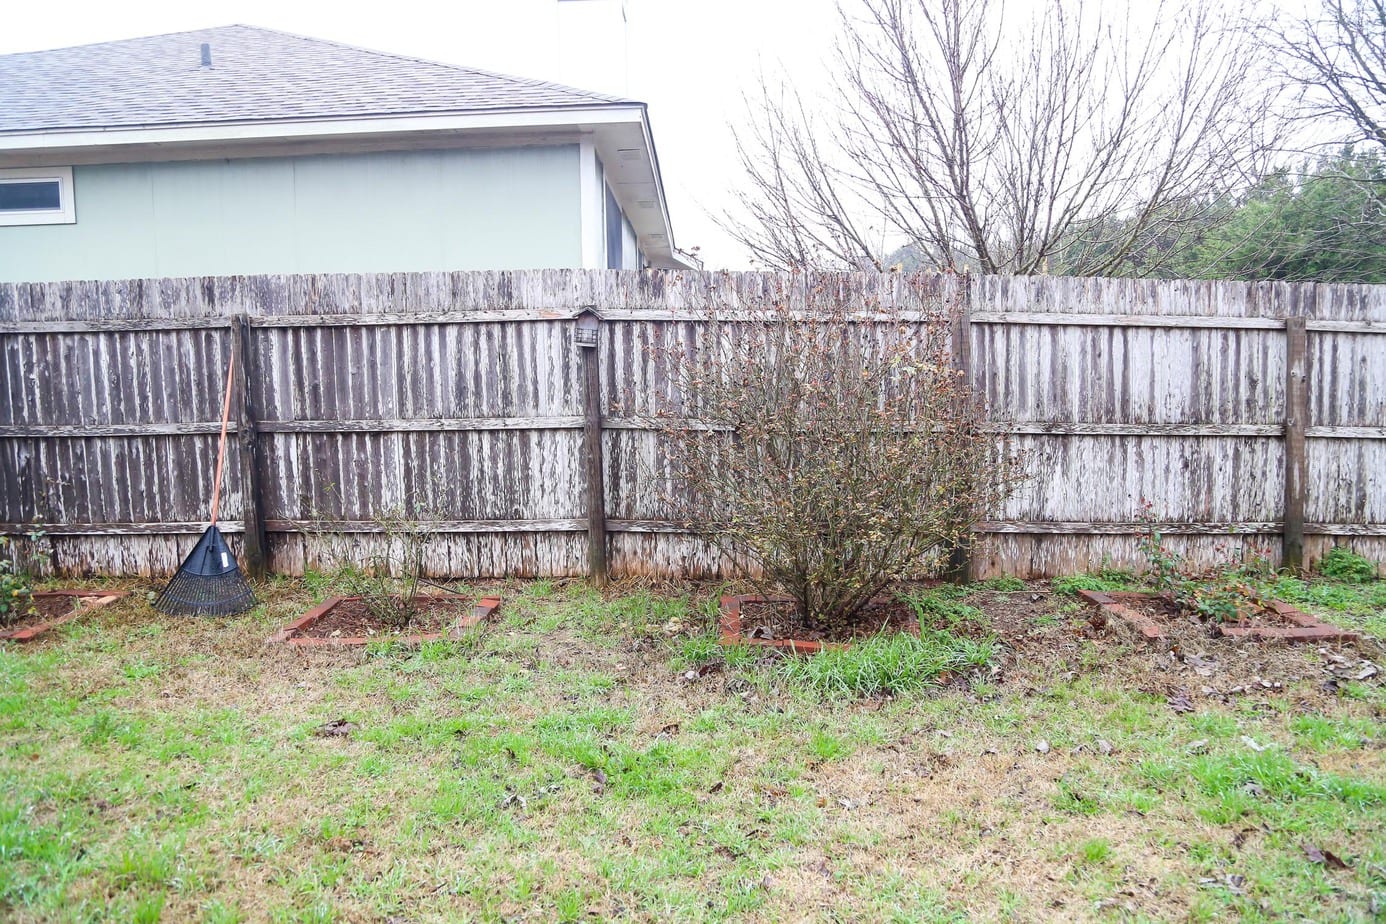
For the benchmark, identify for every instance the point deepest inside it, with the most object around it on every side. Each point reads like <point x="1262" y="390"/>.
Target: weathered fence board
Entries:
<point x="466" y="392"/>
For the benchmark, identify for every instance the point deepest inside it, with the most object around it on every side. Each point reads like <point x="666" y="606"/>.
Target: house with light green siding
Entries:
<point x="241" y="150"/>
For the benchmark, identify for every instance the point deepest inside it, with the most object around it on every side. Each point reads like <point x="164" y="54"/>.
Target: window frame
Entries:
<point x="65" y="214"/>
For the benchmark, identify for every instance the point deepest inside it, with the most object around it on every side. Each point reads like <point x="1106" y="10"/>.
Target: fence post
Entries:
<point x="247" y="439"/>
<point x="587" y="335"/>
<point x="960" y="555"/>
<point x="1296" y="418"/>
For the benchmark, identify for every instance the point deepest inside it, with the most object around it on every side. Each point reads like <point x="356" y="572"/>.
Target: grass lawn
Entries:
<point x="593" y="757"/>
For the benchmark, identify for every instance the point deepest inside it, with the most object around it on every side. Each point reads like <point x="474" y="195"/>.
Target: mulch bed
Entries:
<point x="749" y="619"/>
<point x="1156" y="618"/>
<point x="55" y="607"/>
<point x="347" y="621"/>
<point x="1048" y="644"/>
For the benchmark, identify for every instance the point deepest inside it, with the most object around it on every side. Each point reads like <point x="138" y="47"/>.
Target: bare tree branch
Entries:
<point x="985" y="144"/>
<point x="1339" y="59"/>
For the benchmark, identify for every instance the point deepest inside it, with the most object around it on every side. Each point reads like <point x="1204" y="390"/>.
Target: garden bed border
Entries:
<point x="482" y="610"/>
<point x="1306" y="627"/>
<point x="100" y="598"/>
<point x="732" y="632"/>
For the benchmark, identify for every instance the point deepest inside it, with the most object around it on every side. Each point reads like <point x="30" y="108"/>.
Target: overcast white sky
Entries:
<point x="689" y="59"/>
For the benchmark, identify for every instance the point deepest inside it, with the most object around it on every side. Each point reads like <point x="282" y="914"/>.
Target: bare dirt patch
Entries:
<point x="352" y="619"/>
<point x="53" y="608"/>
<point x="45" y="609"/>
<point x="1157" y="618"/>
<point x="755" y="619"/>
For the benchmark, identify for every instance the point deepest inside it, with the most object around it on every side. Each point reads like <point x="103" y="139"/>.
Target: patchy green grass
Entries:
<point x="603" y="758"/>
<point x="1354" y="604"/>
<point x="889" y="665"/>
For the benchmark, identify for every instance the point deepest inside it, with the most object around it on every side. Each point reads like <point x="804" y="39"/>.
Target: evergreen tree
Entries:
<point x="1327" y="224"/>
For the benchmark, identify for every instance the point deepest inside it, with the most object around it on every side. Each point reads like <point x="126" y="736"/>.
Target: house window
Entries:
<point x="36" y="196"/>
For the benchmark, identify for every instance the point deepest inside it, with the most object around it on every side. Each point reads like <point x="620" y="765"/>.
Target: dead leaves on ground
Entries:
<point x="1180" y="702"/>
<point x="703" y="670"/>
<point x="1325" y="858"/>
<point x="337" y="728"/>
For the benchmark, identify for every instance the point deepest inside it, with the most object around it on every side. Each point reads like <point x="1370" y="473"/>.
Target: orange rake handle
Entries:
<point x="221" y="447"/>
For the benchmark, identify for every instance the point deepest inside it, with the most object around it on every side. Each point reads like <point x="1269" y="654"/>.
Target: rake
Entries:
<point x="209" y="582"/>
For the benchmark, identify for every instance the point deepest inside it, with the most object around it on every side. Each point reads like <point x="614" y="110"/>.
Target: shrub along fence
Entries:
<point x="1245" y="413"/>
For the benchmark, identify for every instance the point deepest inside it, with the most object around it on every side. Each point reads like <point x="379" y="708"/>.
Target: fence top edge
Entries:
<point x="569" y="290"/>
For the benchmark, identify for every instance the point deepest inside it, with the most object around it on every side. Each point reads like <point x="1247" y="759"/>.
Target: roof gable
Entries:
<point x="256" y="75"/>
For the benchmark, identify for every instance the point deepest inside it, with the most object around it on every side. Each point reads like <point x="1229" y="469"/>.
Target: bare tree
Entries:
<point x="985" y="144"/>
<point x="1338" y="58"/>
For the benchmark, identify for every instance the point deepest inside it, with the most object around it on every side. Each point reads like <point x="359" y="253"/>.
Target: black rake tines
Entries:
<point x="209" y="582"/>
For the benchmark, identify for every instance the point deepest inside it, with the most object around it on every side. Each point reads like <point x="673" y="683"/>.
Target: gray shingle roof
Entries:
<point x="256" y="75"/>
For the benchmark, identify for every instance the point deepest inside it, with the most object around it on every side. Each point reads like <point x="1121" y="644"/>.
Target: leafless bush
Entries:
<point x="837" y="449"/>
<point x="388" y="581"/>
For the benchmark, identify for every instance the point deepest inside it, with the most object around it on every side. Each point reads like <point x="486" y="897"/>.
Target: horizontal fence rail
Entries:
<point x="1248" y="415"/>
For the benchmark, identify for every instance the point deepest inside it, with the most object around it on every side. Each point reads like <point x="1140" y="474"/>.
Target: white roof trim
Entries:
<point x="667" y="249"/>
<point x="53" y="139"/>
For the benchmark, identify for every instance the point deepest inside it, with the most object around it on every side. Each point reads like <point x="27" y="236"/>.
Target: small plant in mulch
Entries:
<point x="1232" y="592"/>
<point x="833" y="448"/>
<point x="1237" y="599"/>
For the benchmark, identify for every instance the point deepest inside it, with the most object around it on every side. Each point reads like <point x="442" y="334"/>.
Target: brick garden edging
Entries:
<point x="1306" y="627"/>
<point x="97" y="598"/>
<point x="289" y="635"/>
<point x="732" y="632"/>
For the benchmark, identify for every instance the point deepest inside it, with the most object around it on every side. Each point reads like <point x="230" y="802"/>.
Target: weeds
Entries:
<point x="1237" y="590"/>
<point x="16" y="587"/>
<point x="942" y="608"/>
<point x="888" y="665"/>
<point x="1163" y="565"/>
<point x="1231" y="592"/>
<point x="1076" y="582"/>
<point x="1363" y="604"/>
<point x="18" y="571"/>
<point x="1220" y="595"/>
<point x="1343" y="564"/>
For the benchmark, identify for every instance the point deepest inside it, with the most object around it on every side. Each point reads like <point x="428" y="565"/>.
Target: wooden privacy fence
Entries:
<point x="1245" y="413"/>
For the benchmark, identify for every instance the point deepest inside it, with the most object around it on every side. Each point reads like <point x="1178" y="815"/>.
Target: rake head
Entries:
<point x="209" y="582"/>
